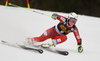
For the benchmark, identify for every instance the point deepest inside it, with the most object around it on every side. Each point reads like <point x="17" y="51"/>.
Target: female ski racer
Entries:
<point x="58" y="32"/>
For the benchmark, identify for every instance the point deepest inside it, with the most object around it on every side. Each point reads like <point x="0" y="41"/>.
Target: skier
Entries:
<point x="58" y="32"/>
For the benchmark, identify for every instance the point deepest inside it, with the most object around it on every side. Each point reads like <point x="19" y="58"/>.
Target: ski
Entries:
<point x="50" y="49"/>
<point x="22" y="46"/>
<point x="31" y="48"/>
<point x="36" y="48"/>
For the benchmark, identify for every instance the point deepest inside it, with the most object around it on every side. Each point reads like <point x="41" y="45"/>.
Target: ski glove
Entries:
<point x="54" y="16"/>
<point x="80" y="48"/>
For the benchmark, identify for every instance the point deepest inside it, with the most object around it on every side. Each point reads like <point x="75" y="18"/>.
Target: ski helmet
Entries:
<point x="72" y="17"/>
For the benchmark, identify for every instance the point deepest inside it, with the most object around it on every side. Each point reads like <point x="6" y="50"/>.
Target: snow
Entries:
<point x="17" y="24"/>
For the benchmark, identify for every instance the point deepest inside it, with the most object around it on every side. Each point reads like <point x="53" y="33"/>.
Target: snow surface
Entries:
<point x="17" y="24"/>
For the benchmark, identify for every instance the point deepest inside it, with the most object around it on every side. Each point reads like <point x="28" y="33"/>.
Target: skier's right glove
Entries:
<point x="54" y="16"/>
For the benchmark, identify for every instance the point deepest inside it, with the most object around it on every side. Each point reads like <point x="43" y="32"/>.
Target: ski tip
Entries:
<point x="66" y="53"/>
<point x="63" y="52"/>
<point x="40" y="51"/>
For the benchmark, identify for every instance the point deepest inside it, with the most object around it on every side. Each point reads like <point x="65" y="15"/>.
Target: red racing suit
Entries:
<point x="58" y="32"/>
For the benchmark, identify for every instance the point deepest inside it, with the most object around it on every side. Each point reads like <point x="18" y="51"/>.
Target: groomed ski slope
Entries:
<point x="17" y="24"/>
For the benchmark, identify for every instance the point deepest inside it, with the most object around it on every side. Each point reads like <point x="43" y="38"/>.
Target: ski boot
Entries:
<point x="29" y="41"/>
<point x="48" y="44"/>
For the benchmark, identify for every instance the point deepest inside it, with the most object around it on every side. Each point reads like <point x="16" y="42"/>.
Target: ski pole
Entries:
<point x="28" y="9"/>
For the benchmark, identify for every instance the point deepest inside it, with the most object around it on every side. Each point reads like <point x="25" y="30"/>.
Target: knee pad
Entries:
<point x="59" y="39"/>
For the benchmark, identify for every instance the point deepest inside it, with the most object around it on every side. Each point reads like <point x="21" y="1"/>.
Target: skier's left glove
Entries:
<point x="80" y="48"/>
<point x="54" y="16"/>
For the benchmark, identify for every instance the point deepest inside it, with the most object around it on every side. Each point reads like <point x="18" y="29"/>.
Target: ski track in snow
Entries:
<point x="17" y="24"/>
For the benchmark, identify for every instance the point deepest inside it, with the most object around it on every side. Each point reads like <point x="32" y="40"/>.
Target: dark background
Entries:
<point x="86" y="7"/>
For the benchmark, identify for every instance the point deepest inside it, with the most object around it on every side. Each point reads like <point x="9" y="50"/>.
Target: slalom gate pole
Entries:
<point x="6" y="2"/>
<point x="29" y="9"/>
<point x="28" y="5"/>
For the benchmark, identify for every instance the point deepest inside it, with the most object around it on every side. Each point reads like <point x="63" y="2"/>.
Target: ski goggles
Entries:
<point x="73" y="20"/>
